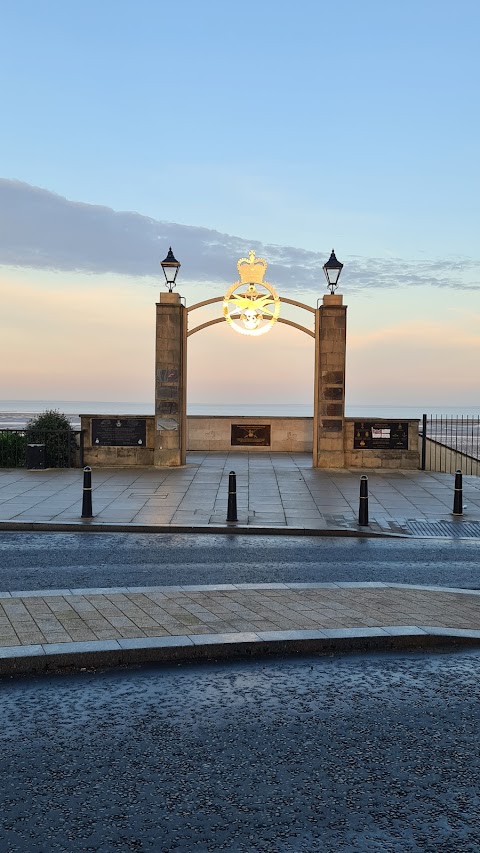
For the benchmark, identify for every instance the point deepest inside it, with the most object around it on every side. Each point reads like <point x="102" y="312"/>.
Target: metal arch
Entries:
<point x="296" y="326"/>
<point x="221" y="298"/>
<point x="206" y="302"/>
<point x="298" y="304"/>
<point x="205" y="325"/>
<point x="222" y="320"/>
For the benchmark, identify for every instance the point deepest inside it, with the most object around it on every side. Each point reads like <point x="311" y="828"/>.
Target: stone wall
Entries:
<point x="111" y="457"/>
<point x="375" y="458"/>
<point x="287" y="435"/>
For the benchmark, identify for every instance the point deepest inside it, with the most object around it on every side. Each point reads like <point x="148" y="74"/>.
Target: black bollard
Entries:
<point x="232" y="497"/>
<point x="363" y="505"/>
<point x="458" y="494"/>
<point x="87" y="493"/>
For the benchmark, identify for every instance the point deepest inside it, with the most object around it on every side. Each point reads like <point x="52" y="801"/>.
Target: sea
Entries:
<point x="16" y="413"/>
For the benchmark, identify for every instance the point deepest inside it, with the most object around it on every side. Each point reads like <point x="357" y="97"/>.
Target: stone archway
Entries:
<point x="172" y="334"/>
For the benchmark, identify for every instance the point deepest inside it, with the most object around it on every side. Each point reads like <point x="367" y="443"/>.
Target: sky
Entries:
<point x="217" y="127"/>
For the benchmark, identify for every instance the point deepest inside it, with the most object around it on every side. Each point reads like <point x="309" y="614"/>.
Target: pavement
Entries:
<point x="48" y="630"/>
<point x="51" y="630"/>
<point x="276" y="493"/>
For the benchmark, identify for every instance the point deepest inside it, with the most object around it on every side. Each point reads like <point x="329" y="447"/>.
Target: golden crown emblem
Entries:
<point x="251" y="270"/>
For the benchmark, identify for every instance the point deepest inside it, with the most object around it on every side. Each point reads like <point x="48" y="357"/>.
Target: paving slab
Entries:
<point x="277" y="492"/>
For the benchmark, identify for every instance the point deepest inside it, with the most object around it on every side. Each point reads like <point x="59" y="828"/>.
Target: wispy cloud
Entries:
<point x="42" y="230"/>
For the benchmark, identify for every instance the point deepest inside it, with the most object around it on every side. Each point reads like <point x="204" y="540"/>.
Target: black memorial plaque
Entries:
<point x="251" y="435"/>
<point x="119" y="432"/>
<point x="383" y="435"/>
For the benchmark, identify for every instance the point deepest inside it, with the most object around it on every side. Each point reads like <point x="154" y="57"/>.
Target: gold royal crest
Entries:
<point x="256" y="310"/>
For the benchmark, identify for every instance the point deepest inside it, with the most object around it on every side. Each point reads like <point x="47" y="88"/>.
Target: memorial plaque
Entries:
<point x="167" y="423"/>
<point x="331" y="426"/>
<point x="119" y="432"/>
<point x="383" y="435"/>
<point x="250" y="435"/>
<point x="168" y="392"/>
<point x="166" y="408"/>
<point x="333" y="393"/>
<point x="168" y="374"/>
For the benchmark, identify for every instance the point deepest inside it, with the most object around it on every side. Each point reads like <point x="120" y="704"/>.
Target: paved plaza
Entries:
<point x="278" y="492"/>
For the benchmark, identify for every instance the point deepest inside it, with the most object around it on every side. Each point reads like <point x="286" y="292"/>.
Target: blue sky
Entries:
<point x="295" y="127"/>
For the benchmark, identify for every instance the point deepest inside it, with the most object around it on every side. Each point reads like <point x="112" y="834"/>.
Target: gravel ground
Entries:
<point x="341" y="754"/>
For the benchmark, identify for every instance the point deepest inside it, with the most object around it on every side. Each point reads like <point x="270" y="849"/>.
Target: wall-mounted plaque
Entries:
<point x="166" y="408"/>
<point x="167" y="423"/>
<point x="167" y="392"/>
<point x="250" y="435"/>
<point x="168" y="375"/>
<point x="119" y="432"/>
<point x="383" y="435"/>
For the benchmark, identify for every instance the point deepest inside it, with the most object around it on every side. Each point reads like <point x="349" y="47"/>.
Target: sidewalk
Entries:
<point x="49" y="630"/>
<point x="276" y="493"/>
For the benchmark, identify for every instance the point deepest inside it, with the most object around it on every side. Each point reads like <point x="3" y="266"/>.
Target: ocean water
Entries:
<point x="16" y="413"/>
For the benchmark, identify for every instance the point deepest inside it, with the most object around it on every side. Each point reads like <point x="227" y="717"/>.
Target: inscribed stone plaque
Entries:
<point x="165" y="407"/>
<point x="168" y="374"/>
<point x="250" y="435"/>
<point x="332" y="409"/>
<point x="119" y="432"/>
<point x="167" y="392"/>
<point x="166" y="423"/>
<point x="332" y="426"/>
<point x="335" y="393"/>
<point x="333" y="377"/>
<point x="383" y="435"/>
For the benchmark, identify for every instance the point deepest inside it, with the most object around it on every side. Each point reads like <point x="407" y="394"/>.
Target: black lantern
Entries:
<point x="332" y="270"/>
<point x="170" y="267"/>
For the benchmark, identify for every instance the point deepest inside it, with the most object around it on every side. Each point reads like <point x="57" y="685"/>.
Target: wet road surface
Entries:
<point x="352" y="754"/>
<point x="75" y="560"/>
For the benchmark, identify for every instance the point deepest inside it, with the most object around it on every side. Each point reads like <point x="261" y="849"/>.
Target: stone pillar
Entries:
<point x="170" y="381"/>
<point x="329" y="414"/>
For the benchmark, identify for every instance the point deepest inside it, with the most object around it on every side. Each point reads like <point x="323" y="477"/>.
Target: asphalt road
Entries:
<point x="75" y="560"/>
<point x="354" y="754"/>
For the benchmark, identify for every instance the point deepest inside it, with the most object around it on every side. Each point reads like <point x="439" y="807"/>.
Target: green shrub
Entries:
<point x="12" y="449"/>
<point x="53" y="429"/>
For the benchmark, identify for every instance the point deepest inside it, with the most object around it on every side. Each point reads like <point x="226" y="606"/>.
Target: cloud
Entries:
<point x="42" y="230"/>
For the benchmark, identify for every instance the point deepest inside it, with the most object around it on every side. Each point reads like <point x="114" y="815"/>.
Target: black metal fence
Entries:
<point x="450" y="443"/>
<point x="39" y="448"/>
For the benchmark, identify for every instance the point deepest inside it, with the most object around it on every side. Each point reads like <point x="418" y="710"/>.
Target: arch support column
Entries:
<point x="170" y="381"/>
<point x="329" y="397"/>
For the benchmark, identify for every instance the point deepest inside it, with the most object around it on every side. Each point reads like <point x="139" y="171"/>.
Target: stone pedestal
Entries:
<point x="170" y="381"/>
<point x="329" y="406"/>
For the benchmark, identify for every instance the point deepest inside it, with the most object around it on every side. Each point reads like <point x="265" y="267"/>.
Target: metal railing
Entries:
<point x="62" y="447"/>
<point x="450" y="443"/>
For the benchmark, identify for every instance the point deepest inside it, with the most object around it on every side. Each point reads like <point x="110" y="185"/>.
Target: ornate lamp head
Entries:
<point x="170" y="267"/>
<point x="332" y="270"/>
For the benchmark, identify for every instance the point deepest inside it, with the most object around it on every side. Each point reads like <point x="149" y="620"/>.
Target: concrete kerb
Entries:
<point x="69" y="657"/>
<point x="229" y="529"/>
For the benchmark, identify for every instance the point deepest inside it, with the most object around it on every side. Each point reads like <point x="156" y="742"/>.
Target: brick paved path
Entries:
<point x="51" y="617"/>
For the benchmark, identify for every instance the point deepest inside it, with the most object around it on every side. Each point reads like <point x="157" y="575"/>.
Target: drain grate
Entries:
<point x="452" y="529"/>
